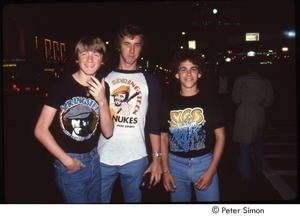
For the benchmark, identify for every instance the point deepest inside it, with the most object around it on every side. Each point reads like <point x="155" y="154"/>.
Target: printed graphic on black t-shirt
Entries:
<point x="186" y="130"/>
<point x="79" y="118"/>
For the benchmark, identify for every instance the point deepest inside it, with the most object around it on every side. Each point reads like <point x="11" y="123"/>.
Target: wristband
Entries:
<point x="157" y="154"/>
<point x="166" y="171"/>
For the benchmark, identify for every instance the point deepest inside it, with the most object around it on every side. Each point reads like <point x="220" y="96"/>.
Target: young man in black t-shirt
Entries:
<point x="193" y="135"/>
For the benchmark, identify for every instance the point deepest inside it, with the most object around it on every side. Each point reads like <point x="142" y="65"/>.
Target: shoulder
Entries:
<point x="150" y="78"/>
<point x="61" y="81"/>
<point x="239" y="79"/>
<point x="212" y="99"/>
<point x="149" y="75"/>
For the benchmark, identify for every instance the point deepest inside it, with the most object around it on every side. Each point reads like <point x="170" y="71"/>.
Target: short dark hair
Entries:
<point x="130" y="30"/>
<point x="193" y="56"/>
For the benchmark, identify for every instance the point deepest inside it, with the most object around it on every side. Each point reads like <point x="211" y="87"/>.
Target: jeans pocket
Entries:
<point x="59" y="166"/>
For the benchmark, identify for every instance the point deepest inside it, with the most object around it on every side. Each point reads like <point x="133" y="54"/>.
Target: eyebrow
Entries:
<point x="190" y="68"/>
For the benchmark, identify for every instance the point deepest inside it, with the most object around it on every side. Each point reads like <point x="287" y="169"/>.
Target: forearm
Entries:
<point x="155" y="143"/>
<point x="156" y="148"/>
<point x="106" y="123"/>
<point x="165" y="151"/>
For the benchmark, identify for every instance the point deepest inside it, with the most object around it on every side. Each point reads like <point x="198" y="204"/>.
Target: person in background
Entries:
<point x="193" y="135"/>
<point x="253" y="93"/>
<point x="223" y="91"/>
<point x="124" y="155"/>
<point x="70" y="100"/>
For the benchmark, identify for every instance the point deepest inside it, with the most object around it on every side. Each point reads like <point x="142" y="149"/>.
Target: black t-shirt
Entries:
<point x="190" y="122"/>
<point x="76" y="125"/>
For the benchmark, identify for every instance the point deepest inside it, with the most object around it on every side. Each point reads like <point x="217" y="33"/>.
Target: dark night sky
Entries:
<point x="86" y="17"/>
<point x="160" y="20"/>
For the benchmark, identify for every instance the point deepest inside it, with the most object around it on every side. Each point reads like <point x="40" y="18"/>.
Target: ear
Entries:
<point x="76" y="61"/>
<point x="177" y="76"/>
<point x="199" y="75"/>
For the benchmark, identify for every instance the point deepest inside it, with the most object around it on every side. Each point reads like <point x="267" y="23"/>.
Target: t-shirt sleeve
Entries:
<point x="107" y="92"/>
<point x="53" y="96"/>
<point x="164" y="118"/>
<point x="218" y="116"/>
<point x="154" y="103"/>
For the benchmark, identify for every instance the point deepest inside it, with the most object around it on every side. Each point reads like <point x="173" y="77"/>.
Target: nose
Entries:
<point x="189" y="71"/>
<point x="90" y="58"/>
<point x="131" y="50"/>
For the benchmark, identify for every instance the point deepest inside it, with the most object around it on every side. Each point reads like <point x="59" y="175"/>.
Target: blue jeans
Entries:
<point x="131" y="176"/>
<point x="185" y="172"/>
<point x="244" y="163"/>
<point x="83" y="185"/>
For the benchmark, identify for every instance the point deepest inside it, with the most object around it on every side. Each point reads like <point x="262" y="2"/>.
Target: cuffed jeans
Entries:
<point x="244" y="163"/>
<point x="83" y="185"/>
<point x="131" y="176"/>
<point x="185" y="172"/>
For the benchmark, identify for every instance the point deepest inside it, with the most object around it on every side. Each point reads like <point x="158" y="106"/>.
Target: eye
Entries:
<point x="182" y="69"/>
<point x="83" y="53"/>
<point x="194" y="69"/>
<point x="97" y="54"/>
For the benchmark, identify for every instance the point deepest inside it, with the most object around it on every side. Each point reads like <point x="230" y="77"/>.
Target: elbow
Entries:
<point x="220" y="135"/>
<point x="108" y="134"/>
<point x="37" y="132"/>
<point x="40" y="131"/>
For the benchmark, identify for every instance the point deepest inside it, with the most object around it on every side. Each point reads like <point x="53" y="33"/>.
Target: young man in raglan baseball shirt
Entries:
<point x="135" y="96"/>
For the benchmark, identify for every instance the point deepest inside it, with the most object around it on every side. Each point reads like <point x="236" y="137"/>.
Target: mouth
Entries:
<point x="89" y="66"/>
<point x="131" y="57"/>
<point x="189" y="79"/>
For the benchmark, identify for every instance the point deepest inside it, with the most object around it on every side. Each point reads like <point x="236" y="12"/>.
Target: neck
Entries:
<point x="127" y="66"/>
<point x="189" y="92"/>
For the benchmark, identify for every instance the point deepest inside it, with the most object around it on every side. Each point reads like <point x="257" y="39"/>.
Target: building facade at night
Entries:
<point x="30" y="57"/>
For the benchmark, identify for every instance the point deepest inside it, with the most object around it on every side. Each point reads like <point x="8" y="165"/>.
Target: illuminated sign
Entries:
<point x="48" y="49"/>
<point x="55" y="50"/>
<point x="252" y="36"/>
<point x="192" y="44"/>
